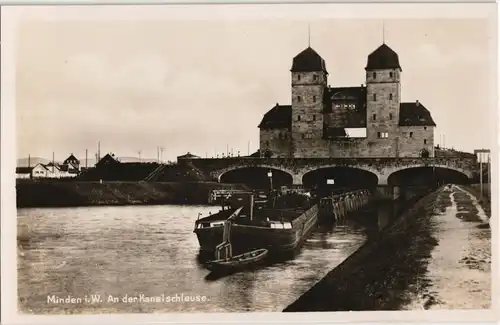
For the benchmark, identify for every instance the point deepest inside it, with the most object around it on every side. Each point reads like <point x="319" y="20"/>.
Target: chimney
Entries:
<point x="417" y="103"/>
<point x="362" y="85"/>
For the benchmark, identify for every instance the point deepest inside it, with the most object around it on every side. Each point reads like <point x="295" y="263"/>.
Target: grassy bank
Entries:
<point x="80" y="193"/>
<point x="485" y="202"/>
<point x="377" y="275"/>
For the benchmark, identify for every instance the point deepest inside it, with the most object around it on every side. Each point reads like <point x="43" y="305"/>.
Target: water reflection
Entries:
<point x="152" y="250"/>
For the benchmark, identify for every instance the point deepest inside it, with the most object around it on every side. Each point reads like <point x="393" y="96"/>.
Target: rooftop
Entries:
<point x="278" y="117"/>
<point x="307" y="61"/>
<point x="383" y="58"/>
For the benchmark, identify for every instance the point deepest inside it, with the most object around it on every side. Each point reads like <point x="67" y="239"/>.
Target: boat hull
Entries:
<point x="221" y="266"/>
<point x="246" y="237"/>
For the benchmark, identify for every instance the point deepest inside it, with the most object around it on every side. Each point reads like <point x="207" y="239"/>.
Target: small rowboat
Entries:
<point x="238" y="262"/>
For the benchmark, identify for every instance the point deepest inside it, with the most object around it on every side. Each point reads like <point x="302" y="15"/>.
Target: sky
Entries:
<point x="203" y="86"/>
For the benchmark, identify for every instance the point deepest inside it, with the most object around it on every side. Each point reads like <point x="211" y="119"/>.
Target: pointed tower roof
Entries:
<point x="383" y="58"/>
<point x="308" y="61"/>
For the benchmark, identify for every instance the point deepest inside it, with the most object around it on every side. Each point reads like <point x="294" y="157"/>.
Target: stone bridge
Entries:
<point x="298" y="167"/>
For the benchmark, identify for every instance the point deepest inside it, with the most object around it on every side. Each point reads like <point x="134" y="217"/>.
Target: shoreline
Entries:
<point x="390" y="272"/>
<point x="61" y="194"/>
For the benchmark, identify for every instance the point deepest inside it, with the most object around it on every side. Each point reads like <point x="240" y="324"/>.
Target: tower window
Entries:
<point x="374" y="117"/>
<point x="303" y="136"/>
<point x="382" y="135"/>
<point x="425" y="127"/>
<point x="374" y="96"/>
<point x="390" y="116"/>
<point x="298" y="118"/>
<point x="267" y="143"/>
<point x="374" y="75"/>
<point x="315" y="77"/>
<point x="425" y="141"/>
<point x="314" y="99"/>
<point x="411" y="134"/>
<point x="298" y="77"/>
<point x="299" y="98"/>
<point x="390" y="74"/>
<point x="390" y="96"/>
<point x="314" y="117"/>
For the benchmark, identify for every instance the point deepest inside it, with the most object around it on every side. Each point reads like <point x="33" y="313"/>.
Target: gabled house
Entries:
<point x="41" y="171"/>
<point x="108" y="160"/>
<point x="73" y="165"/>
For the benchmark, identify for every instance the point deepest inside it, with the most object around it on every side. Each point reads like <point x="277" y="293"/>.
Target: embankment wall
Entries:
<point x="81" y="193"/>
<point x="372" y="277"/>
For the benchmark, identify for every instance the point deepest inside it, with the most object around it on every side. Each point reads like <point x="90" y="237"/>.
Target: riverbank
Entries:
<point x="436" y="255"/>
<point x="81" y="193"/>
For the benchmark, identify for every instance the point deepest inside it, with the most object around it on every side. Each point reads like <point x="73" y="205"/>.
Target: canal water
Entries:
<point x="114" y="259"/>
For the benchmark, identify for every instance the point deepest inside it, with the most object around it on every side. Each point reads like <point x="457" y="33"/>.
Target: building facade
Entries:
<point x="364" y="121"/>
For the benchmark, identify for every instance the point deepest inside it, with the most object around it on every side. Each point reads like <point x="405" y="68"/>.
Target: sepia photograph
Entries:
<point x="168" y="160"/>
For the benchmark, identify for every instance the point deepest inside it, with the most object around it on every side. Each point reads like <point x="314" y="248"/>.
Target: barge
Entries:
<point x="280" y="224"/>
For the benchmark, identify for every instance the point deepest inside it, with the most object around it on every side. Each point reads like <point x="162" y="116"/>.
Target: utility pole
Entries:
<point x="249" y="148"/>
<point x="29" y="160"/>
<point x="481" y="173"/>
<point x="139" y="152"/>
<point x="53" y="162"/>
<point x="99" y="150"/>
<point x="86" y="158"/>
<point x="227" y="150"/>
<point x="489" y="173"/>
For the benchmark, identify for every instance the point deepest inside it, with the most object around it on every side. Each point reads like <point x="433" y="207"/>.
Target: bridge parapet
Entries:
<point x="298" y="167"/>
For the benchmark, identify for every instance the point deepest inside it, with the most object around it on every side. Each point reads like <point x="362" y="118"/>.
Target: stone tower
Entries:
<point x="383" y="92"/>
<point x="309" y="83"/>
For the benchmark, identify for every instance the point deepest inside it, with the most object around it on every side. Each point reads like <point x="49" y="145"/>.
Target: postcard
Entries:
<point x="249" y="163"/>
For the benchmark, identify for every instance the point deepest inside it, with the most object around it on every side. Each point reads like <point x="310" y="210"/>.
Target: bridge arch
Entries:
<point x="342" y="176"/>
<point x="422" y="174"/>
<point x="395" y="169"/>
<point x="256" y="175"/>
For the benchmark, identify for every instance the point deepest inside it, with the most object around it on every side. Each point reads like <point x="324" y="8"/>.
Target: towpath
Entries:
<point x="437" y="255"/>
<point x="459" y="269"/>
